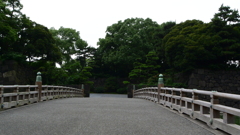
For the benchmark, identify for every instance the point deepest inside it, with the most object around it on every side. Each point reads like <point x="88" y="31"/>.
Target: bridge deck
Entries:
<point x="97" y="116"/>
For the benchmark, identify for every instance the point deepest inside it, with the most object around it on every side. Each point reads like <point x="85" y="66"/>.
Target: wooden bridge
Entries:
<point x="171" y="111"/>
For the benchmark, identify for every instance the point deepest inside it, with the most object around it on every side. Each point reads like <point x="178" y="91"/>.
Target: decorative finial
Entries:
<point x="160" y="80"/>
<point x="39" y="77"/>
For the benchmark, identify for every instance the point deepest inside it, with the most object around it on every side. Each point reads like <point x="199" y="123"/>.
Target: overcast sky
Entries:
<point x="91" y="17"/>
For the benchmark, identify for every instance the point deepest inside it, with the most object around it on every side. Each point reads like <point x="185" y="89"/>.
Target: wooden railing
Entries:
<point x="31" y="94"/>
<point x="18" y="95"/>
<point x="187" y="101"/>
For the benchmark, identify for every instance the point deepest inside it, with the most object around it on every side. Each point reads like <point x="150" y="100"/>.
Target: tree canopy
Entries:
<point x="135" y="49"/>
<point x="127" y="41"/>
<point x="68" y="41"/>
<point x="33" y="44"/>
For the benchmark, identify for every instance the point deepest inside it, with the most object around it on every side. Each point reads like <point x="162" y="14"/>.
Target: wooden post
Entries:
<point x="195" y="97"/>
<point x="39" y="84"/>
<point x="84" y="92"/>
<point x="228" y="118"/>
<point x="160" y="84"/>
<point x="133" y="90"/>
<point x="16" y="91"/>
<point x="174" y="100"/>
<point x="182" y="102"/>
<point x="213" y="113"/>
<point x="2" y="97"/>
<point x="28" y="91"/>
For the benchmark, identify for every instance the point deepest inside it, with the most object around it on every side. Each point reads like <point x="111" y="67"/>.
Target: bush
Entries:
<point x="99" y="90"/>
<point x="111" y="84"/>
<point x="177" y="85"/>
<point x="144" y="85"/>
<point x="126" y="82"/>
<point x="122" y="91"/>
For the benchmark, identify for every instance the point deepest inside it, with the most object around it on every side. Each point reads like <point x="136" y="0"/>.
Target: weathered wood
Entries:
<point x="208" y="112"/>
<point x="9" y="100"/>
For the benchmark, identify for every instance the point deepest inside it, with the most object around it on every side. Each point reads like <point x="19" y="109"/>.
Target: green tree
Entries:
<point x="76" y="74"/>
<point x="143" y="71"/>
<point x="69" y="42"/>
<point x="111" y="85"/>
<point x="186" y="46"/>
<point x="41" y="45"/>
<point x="125" y="42"/>
<point x="75" y="55"/>
<point x="86" y="55"/>
<point x="162" y="31"/>
<point x="225" y="28"/>
<point x="193" y="44"/>
<point x="22" y="38"/>
<point x="8" y="24"/>
<point x="226" y="16"/>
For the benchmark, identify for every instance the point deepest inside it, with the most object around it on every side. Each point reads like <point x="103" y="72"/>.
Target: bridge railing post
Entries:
<point x="2" y="97"/>
<point x="133" y="90"/>
<point x="83" y="90"/>
<point x="160" y="84"/>
<point x="39" y="84"/>
<point x="16" y="90"/>
<point x="213" y="112"/>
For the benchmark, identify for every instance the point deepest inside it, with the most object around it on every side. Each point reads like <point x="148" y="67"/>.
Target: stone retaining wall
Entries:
<point x="11" y="73"/>
<point x="221" y="81"/>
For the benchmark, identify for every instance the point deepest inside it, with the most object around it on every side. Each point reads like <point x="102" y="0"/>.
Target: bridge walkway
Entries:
<point x="96" y="116"/>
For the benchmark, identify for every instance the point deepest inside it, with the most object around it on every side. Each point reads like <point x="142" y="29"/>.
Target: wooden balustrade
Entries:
<point x="28" y="96"/>
<point x="187" y="101"/>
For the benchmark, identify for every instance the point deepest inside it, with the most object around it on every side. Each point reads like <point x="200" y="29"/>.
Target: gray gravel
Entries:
<point x="96" y="116"/>
<point x="94" y="95"/>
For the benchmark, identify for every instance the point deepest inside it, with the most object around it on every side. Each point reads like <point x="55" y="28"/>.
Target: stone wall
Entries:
<point x="1" y="74"/>
<point x="221" y="81"/>
<point x="11" y="73"/>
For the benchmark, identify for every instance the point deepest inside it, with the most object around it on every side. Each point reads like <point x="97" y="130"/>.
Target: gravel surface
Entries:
<point x="94" y="95"/>
<point x="96" y="116"/>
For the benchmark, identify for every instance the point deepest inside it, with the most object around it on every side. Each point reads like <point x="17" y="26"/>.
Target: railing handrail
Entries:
<point x="203" y="92"/>
<point x="35" y="86"/>
<point x="206" y="111"/>
<point x="17" y="86"/>
<point x="48" y="92"/>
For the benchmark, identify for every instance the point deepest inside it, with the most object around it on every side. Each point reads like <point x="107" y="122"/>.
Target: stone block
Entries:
<point x="9" y="74"/>
<point x="193" y="81"/>
<point x="230" y="84"/>
<point x="232" y="89"/>
<point x="192" y="76"/>
<point x="4" y="68"/>
<point x="200" y="71"/>
<point x="219" y="89"/>
<point x="210" y="85"/>
<point x="202" y="83"/>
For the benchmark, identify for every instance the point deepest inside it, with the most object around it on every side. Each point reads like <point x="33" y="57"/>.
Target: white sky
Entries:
<point x="91" y="17"/>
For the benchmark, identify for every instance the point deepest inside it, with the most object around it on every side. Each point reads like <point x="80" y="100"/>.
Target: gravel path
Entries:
<point x="96" y="116"/>
<point x="93" y="95"/>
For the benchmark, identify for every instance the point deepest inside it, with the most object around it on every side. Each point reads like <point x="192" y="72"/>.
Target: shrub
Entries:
<point x="122" y="90"/>
<point x="111" y="84"/>
<point x="99" y="89"/>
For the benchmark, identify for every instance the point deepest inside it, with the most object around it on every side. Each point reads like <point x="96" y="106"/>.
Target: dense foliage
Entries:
<point x="139" y="49"/>
<point x="134" y="50"/>
<point x="32" y="44"/>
